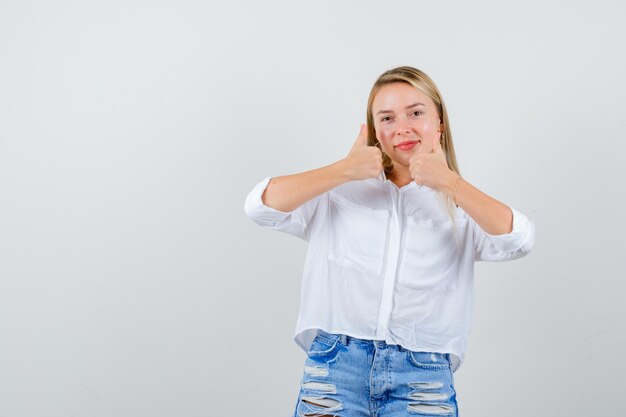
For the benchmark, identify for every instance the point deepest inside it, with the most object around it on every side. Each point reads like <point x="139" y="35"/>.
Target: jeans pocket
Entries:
<point x="324" y="347"/>
<point x="429" y="360"/>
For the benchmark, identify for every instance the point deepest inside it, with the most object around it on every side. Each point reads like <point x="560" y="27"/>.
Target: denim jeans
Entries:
<point x="349" y="377"/>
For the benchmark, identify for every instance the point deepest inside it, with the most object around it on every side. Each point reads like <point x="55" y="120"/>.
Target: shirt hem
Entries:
<point x="300" y="336"/>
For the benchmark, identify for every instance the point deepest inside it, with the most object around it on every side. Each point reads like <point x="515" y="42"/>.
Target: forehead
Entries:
<point x="397" y="96"/>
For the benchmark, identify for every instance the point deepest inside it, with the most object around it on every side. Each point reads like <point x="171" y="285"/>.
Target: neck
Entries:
<point x="400" y="175"/>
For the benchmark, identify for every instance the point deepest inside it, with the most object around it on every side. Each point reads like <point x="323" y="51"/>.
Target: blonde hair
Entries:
<point x="426" y="85"/>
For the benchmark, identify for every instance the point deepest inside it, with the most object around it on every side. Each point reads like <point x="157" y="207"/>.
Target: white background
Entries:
<point x="131" y="281"/>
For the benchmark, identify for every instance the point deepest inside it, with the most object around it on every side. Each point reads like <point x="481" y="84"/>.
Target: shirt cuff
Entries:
<point x="520" y="236"/>
<point x="257" y="210"/>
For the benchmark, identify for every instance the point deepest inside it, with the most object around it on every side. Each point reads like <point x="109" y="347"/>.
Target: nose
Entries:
<point x="402" y="128"/>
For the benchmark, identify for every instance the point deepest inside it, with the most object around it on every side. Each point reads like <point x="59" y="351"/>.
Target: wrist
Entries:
<point x="450" y="183"/>
<point x="341" y="170"/>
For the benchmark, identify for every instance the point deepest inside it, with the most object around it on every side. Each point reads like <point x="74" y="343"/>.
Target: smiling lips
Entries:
<point x="407" y="145"/>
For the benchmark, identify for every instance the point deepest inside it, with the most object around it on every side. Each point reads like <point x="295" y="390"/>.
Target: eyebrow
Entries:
<point x="407" y="107"/>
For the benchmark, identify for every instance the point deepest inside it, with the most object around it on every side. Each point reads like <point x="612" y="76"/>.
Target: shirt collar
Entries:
<point x="410" y="185"/>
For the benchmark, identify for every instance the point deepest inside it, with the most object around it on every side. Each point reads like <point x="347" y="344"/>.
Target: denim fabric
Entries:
<point x="350" y="377"/>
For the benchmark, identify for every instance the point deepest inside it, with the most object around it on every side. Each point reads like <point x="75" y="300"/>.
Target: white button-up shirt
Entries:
<point x="387" y="263"/>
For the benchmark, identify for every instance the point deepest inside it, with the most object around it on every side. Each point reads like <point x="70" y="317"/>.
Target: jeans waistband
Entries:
<point x="378" y="344"/>
<point x="345" y="339"/>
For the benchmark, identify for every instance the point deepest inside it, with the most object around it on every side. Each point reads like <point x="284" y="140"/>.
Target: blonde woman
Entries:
<point x="393" y="232"/>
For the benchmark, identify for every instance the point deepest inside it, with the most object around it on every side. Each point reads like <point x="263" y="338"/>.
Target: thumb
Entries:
<point x="361" y="140"/>
<point x="437" y="148"/>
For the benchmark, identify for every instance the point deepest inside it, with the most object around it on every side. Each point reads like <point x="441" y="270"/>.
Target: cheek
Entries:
<point x="385" y="136"/>
<point x="430" y="126"/>
<point x="386" y="141"/>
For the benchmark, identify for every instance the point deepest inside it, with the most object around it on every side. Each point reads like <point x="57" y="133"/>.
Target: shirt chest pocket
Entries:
<point x="430" y="257"/>
<point x="358" y="236"/>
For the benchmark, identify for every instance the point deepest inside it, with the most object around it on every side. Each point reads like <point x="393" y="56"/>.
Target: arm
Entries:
<point x="500" y="232"/>
<point x="491" y="215"/>
<point x="288" y="192"/>
<point x="295" y="222"/>
<point x="289" y="202"/>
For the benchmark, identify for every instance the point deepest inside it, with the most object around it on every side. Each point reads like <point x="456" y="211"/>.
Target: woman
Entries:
<point x="393" y="232"/>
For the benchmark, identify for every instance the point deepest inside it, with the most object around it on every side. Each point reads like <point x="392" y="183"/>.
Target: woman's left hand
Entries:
<point x="428" y="165"/>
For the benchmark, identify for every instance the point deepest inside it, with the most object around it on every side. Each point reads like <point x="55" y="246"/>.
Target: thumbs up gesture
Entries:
<point x="363" y="161"/>
<point x="428" y="165"/>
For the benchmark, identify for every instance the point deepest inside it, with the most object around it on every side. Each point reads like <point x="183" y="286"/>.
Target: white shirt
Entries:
<point x="383" y="263"/>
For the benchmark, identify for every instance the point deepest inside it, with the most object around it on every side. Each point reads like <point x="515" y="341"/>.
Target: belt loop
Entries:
<point x="344" y="339"/>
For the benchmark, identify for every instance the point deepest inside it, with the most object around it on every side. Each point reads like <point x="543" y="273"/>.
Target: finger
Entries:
<point x="362" y="138"/>
<point x="433" y="145"/>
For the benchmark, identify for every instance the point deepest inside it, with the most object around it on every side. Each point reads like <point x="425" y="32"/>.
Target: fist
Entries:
<point x="428" y="165"/>
<point x="363" y="161"/>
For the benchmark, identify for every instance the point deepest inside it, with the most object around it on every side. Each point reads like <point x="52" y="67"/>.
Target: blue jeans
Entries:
<point x="349" y="377"/>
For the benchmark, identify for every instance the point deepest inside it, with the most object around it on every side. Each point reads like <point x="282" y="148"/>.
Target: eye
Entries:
<point x="384" y="119"/>
<point x="417" y="111"/>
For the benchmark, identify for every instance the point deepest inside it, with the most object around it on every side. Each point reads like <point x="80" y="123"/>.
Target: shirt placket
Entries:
<point x="393" y="253"/>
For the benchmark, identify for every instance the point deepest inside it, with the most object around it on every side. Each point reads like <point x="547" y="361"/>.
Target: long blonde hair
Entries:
<point x="426" y="85"/>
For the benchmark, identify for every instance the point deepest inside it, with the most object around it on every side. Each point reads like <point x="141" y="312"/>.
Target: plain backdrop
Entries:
<point x="131" y="281"/>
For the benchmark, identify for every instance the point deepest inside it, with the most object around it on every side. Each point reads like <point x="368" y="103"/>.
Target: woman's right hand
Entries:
<point x="363" y="161"/>
<point x="288" y="192"/>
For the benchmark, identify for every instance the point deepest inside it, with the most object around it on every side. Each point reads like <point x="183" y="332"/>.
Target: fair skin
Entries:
<point x="403" y="113"/>
<point x="395" y="121"/>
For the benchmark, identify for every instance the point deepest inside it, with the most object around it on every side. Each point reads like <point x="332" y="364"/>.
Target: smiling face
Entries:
<point x="402" y="113"/>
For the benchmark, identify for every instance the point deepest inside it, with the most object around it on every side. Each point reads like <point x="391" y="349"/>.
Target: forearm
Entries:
<point x="491" y="215"/>
<point x="288" y="192"/>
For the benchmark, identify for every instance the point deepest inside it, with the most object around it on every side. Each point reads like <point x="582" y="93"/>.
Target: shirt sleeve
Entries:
<point x="296" y="222"/>
<point x="516" y="244"/>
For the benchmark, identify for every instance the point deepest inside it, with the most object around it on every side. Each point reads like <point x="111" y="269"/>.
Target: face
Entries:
<point x="403" y="113"/>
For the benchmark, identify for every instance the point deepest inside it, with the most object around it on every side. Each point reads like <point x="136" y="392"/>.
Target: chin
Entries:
<point x="401" y="162"/>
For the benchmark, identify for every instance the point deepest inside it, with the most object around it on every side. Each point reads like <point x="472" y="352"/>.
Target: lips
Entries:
<point x="407" y="145"/>
<point x="407" y="142"/>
